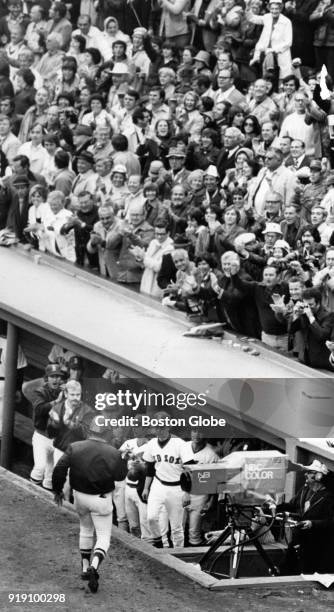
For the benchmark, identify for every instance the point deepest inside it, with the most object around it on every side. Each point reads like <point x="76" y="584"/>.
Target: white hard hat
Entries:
<point x="119" y="168"/>
<point x="212" y="171"/>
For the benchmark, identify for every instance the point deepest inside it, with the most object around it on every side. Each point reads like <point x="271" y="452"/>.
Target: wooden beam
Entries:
<point x="8" y="415"/>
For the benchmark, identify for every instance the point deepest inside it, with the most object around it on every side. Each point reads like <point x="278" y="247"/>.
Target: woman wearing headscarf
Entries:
<point x="111" y="34"/>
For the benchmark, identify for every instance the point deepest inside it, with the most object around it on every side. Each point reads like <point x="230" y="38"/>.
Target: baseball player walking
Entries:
<point x="165" y="456"/>
<point x="93" y="467"/>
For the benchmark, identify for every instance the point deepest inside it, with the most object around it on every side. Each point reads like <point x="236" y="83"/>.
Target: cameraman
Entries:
<point x="311" y="548"/>
<point x="317" y="326"/>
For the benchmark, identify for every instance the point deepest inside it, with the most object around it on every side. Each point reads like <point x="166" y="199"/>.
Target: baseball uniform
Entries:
<point x="165" y="493"/>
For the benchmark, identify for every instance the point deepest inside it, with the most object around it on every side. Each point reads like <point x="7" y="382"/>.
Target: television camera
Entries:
<point x="244" y="481"/>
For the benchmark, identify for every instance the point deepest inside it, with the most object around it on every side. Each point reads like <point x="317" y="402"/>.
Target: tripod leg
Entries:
<point x="236" y="553"/>
<point x="273" y="569"/>
<point x="205" y="560"/>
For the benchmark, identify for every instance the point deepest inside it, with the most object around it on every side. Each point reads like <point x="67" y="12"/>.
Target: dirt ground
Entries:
<point x="39" y="555"/>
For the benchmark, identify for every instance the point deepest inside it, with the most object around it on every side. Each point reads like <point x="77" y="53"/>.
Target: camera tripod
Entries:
<point x="240" y="533"/>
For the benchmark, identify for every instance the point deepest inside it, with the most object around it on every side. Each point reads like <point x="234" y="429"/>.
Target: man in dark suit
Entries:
<point x="226" y="158"/>
<point x="317" y="326"/>
<point x="21" y="167"/>
<point x="297" y="158"/>
<point x="227" y="92"/>
<point x="17" y="218"/>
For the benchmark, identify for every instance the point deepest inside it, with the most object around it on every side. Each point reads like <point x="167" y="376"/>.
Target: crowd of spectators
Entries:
<point x="182" y="148"/>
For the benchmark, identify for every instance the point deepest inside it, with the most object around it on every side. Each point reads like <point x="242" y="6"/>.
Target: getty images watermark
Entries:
<point x="158" y="401"/>
<point x="149" y="399"/>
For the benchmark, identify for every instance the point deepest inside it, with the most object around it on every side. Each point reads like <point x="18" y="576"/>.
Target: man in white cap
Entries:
<point x="314" y="533"/>
<point x="271" y="233"/>
<point x="211" y="182"/>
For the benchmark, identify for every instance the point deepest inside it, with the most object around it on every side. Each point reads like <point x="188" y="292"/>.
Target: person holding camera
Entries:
<point x="317" y="326"/>
<point x="311" y="547"/>
<point x="82" y="223"/>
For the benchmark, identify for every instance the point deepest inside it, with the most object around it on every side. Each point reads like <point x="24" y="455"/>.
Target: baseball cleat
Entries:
<point x="93" y="579"/>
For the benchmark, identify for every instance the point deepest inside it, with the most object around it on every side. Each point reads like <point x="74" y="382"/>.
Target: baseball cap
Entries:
<point x="272" y="228"/>
<point x="175" y="152"/>
<point x="53" y="369"/>
<point x="315" y="164"/>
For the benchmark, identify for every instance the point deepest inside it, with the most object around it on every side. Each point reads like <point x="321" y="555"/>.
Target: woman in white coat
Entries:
<point x="276" y="37"/>
<point x="54" y="217"/>
<point x="158" y="247"/>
